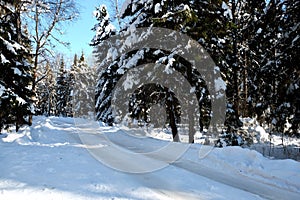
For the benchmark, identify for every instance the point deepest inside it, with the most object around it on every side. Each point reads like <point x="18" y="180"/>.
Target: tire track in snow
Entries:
<point x="249" y="185"/>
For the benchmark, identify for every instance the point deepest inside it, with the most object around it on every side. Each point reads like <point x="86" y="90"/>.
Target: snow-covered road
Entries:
<point x="59" y="158"/>
<point x="126" y="142"/>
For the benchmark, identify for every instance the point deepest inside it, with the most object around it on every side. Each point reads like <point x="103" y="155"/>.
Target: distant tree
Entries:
<point x="46" y="93"/>
<point x="70" y="82"/>
<point x="82" y="94"/>
<point x="61" y="90"/>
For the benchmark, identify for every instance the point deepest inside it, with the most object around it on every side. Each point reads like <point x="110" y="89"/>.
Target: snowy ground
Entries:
<point x="50" y="161"/>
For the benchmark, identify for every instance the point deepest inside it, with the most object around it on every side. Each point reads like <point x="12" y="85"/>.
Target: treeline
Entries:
<point x="255" y="44"/>
<point x="56" y="92"/>
<point x="29" y="30"/>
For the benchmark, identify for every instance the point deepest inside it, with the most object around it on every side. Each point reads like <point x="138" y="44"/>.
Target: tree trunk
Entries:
<point x="235" y="62"/>
<point x="173" y="125"/>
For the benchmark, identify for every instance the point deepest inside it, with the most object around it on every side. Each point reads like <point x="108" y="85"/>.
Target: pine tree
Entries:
<point x="145" y="14"/>
<point x="46" y="93"/>
<point x="104" y="28"/>
<point x="61" y="90"/>
<point x="83" y="95"/>
<point x="16" y="71"/>
<point x="288" y="53"/>
<point x="241" y="57"/>
<point x="70" y="82"/>
<point x="275" y="95"/>
<point x="253" y="43"/>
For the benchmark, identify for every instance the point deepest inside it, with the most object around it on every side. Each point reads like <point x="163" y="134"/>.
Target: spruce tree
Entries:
<point x="16" y="70"/>
<point x="181" y="17"/>
<point x="70" y="81"/>
<point x="83" y="96"/>
<point x="276" y="81"/>
<point x="61" y="90"/>
<point x="288" y="54"/>
<point x="253" y="43"/>
<point x="46" y="93"/>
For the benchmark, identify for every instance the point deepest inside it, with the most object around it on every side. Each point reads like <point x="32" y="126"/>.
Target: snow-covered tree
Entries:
<point x="62" y="90"/>
<point x="275" y="83"/>
<point x="15" y="67"/>
<point x="180" y="17"/>
<point x="288" y="54"/>
<point x="104" y="28"/>
<point x="46" y="93"/>
<point x="82" y="88"/>
<point x="253" y="43"/>
<point x="70" y="81"/>
<point x="240" y="57"/>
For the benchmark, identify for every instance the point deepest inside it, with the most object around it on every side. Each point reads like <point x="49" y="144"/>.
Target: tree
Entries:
<point x="146" y="14"/>
<point x="46" y="92"/>
<point x="16" y="72"/>
<point x="82" y="94"/>
<point x="241" y="57"/>
<point x="274" y="97"/>
<point x="103" y="29"/>
<point x="253" y="43"/>
<point x="288" y="53"/>
<point x="146" y="97"/>
<point x="70" y="82"/>
<point x="62" y="90"/>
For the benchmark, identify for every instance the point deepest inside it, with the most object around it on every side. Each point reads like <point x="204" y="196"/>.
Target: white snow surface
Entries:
<point x="157" y="8"/>
<point x="228" y="11"/>
<point x="2" y="90"/>
<point x="3" y="59"/>
<point x="49" y="161"/>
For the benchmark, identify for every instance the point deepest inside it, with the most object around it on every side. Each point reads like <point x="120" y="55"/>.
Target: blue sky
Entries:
<point x="79" y="33"/>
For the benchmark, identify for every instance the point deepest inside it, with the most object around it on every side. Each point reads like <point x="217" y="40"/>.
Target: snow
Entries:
<point x="12" y="47"/>
<point x="157" y="8"/>
<point x="263" y="136"/>
<point x="130" y="81"/>
<point x="220" y="87"/>
<point x="49" y="161"/>
<point x="2" y="89"/>
<point x="9" y="46"/>
<point x="124" y="7"/>
<point x="97" y="14"/>
<point x="295" y="40"/>
<point x="228" y="11"/>
<point x="259" y="31"/>
<point x="148" y="4"/>
<point x="3" y="59"/>
<point x="17" y="71"/>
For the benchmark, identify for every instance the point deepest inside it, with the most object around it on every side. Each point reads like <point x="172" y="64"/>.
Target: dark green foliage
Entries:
<point x="15" y="69"/>
<point x="62" y="90"/>
<point x="255" y="44"/>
